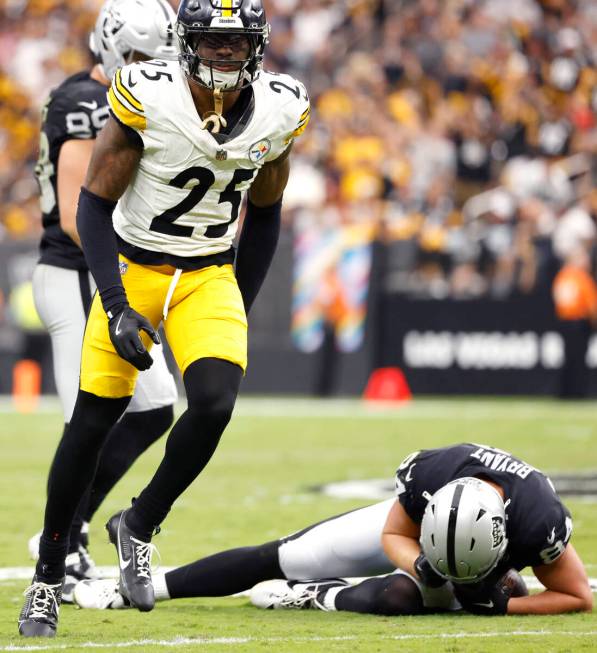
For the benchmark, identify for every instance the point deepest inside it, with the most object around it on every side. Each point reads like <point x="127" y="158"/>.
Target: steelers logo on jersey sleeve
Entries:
<point x="259" y="150"/>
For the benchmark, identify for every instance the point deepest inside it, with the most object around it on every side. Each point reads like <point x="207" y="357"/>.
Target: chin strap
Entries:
<point x="215" y="119"/>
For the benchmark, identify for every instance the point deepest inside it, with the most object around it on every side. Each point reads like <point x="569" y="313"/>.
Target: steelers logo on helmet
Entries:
<point x="222" y="42"/>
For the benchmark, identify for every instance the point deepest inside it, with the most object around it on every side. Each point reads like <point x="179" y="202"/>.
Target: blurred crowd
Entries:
<point x="460" y="133"/>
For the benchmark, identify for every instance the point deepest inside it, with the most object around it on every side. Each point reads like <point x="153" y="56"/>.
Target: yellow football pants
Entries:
<point x="205" y="319"/>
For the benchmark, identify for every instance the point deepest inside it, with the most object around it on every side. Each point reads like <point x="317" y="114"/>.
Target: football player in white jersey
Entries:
<point x="125" y="30"/>
<point x="157" y="217"/>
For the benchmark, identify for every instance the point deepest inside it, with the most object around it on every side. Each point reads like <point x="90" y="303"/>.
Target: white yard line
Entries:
<point x="232" y="641"/>
<point x="26" y="573"/>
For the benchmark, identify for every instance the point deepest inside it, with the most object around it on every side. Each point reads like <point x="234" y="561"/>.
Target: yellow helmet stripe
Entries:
<point x="227" y="8"/>
<point x="124" y="114"/>
<point x="126" y="93"/>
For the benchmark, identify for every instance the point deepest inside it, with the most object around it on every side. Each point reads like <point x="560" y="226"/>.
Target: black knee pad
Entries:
<point x="389" y="595"/>
<point x="212" y="386"/>
<point x="399" y="595"/>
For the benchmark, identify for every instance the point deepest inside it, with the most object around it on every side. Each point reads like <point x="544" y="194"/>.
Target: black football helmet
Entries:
<point x="210" y="20"/>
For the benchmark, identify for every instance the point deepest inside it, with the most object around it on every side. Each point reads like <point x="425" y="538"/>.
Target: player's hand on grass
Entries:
<point x="124" y="327"/>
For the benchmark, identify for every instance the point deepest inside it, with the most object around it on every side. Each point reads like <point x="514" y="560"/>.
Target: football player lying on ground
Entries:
<point x="185" y="142"/>
<point x="465" y="520"/>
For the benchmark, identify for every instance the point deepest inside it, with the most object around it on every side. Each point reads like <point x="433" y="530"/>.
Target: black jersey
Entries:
<point x="538" y="525"/>
<point x="77" y="109"/>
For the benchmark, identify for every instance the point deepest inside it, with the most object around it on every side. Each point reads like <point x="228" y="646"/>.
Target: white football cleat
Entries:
<point x="99" y="595"/>
<point x="33" y="546"/>
<point x="291" y="594"/>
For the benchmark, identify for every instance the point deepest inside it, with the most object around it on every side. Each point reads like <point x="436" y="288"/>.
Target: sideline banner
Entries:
<point x="474" y="347"/>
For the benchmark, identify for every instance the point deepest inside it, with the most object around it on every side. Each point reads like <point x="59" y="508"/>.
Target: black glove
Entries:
<point x="426" y="573"/>
<point x="489" y="597"/>
<point x="124" y="327"/>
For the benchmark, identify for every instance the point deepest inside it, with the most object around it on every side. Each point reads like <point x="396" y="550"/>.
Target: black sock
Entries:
<point x="127" y="440"/>
<point x="228" y="572"/>
<point x="211" y="385"/>
<point x="51" y="569"/>
<point x="72" y="470"/>
<point x="390" y="595"/>
<point x="74" y="537"/>
<point x="64" y="429"/>
<point x="77" y="537"/>
<point x="75" y="531"/>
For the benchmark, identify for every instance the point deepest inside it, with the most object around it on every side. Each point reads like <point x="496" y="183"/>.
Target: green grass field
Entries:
<point x="257" y="487"/>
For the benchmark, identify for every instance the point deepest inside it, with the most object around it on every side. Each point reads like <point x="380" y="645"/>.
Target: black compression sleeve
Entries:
<point x="227" y="572"/>
<point x="388" y="595"/>
<point x="98" y="240"/>
<point x="256" y="248"/>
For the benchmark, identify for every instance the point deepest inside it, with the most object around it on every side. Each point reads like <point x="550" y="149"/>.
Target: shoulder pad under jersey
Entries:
<point x="138" y="90"/>
<point x="293" y="109"/>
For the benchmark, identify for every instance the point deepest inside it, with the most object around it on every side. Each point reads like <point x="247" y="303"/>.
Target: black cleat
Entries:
<point x="39" y="616"/>
<point x="134" y="561"/>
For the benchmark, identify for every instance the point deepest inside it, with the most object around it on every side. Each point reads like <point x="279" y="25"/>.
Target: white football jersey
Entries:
<point x="185" y="197"/>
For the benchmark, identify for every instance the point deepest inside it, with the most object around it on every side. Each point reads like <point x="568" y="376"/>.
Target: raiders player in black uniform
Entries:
<point x="72" y="117"/>
<point x="519" y="519"/>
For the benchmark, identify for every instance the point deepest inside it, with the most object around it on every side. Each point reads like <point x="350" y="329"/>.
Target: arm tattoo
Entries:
<point x="113" y="162"/>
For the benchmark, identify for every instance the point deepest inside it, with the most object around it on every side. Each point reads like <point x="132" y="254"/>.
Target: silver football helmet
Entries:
<point x="127" y="26"/>
<point x="463" y="532"/>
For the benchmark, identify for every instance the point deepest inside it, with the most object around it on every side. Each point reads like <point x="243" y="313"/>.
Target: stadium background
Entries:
<point x="447" y="174"/>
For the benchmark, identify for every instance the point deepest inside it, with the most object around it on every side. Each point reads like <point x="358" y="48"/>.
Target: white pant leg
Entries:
<point x="350" y="546"/>
<point x="155" y="387"/>
<point x="58" y="301"/>
<point x="344" y="546"/>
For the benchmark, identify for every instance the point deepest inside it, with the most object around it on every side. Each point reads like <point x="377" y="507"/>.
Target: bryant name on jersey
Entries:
<point x="538" y="525"/>
<point x="185" y="198"/>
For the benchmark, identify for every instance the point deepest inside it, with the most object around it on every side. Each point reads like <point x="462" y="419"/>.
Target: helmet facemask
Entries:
<point x="211" y="72"/>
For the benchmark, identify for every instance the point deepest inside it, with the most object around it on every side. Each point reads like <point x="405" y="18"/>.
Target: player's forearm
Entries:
<point x="98" y="241"/>
<point x="68" y="216"/>
<point x="256" y="248"/>
<point x="402" y="551"/>
<point x="269" y="184"/>
<point x="72" y="233"/>
<point x="550" y="602"/>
